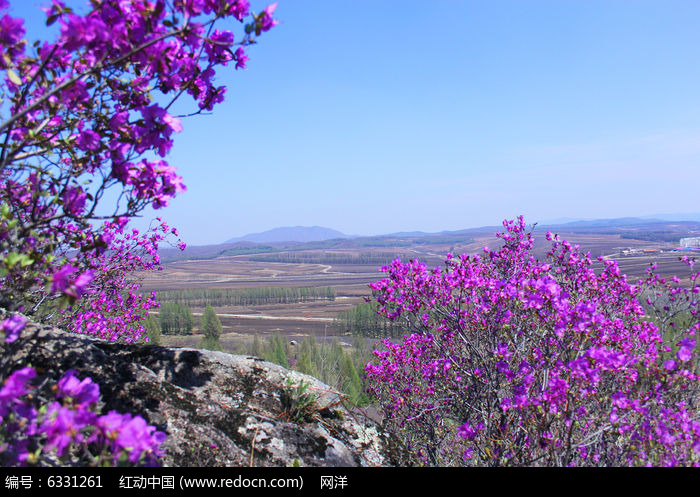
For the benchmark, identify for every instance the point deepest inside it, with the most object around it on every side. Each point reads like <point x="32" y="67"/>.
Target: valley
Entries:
<point x="349" y="265"/>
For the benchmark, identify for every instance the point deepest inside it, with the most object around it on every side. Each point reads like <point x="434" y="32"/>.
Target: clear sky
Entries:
<point x="376" y="116"/>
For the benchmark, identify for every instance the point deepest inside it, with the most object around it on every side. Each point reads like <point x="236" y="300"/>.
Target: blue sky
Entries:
<point x="379" y="116"/>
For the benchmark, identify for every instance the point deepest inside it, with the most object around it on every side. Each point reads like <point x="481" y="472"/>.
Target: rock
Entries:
<point x="217" y="409"/>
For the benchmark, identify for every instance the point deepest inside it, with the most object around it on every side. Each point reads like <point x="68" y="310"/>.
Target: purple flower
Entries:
<point x="15" y="386"/>
<point x="265" y="22"/>
<point x="132" y="435"/>
<point x="110" y="423"/>
<point x="240" y="9"/>
<point x="620" y="400"/>
<point x="13" y="326"/>
<point x="468" y="432"/>
<point x="502" y="351"/>
<point x="11" y="30"/>
<point x="218" y="49"/>
<point x="156" y="116"/>
<point x="63" y="426"/>
<point x="61" y="278"/>
<point x="83" y="392"/>
<point x="686" y="349"/>
<point x="88" y="140"/>
<point x="80" y="284"/>
<point x="76" y="94"/>
<point x="173" y="123"/>
<point x="118" y="121"/>
<point x="240" y="57"/>
<point x="79" y="31"/>
<point x="74" y="287"/>
<point x="74" y="200"/>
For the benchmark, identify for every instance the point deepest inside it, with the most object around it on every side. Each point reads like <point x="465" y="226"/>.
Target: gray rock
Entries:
<point x="217" y="409"/>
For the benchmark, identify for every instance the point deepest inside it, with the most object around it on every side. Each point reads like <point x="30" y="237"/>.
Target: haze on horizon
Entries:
<point x="319" y="233"/>
<point x="378" y="117"/>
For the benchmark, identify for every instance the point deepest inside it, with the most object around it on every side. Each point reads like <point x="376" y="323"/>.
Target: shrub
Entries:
<point x="521" y="362"/>
<point x="79" y="125"/>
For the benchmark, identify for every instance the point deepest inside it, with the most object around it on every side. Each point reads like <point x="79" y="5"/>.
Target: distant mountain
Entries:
<point x="291" y="234"/>
<point x="607" y="223"/>
<point x="622" y="221"/>
<point x="691" y="216"/>
<point x="623" y="224"/>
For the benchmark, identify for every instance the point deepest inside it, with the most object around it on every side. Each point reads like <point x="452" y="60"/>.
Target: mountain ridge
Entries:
<point x="291" y="234"/>
<point x="649" y="229"/>
<point x="305" y="234"/>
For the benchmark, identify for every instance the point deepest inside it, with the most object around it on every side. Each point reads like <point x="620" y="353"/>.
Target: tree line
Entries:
<point x="175" y="319"/>
<point x="217" y="297"/>
<point x="363" y="320"/>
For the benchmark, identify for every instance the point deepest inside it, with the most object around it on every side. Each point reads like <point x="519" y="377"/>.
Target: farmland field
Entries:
<point x="350" y="280"/>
